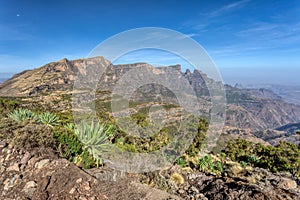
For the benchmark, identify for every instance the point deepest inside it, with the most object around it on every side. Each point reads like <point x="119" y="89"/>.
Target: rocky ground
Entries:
<point x="40" y="174"/>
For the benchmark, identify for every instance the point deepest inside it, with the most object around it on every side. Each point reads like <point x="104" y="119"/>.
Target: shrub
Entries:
<point x="34" y="135"/>
<point x="252" y="159"/>
<point x="7" y="104"/>
<point x="219" y="166"/>
<point x="181" y="162"/>
<point x="71" y="148"/>
<point x="235" y="169"/>
<point x="205" y="163"/>
<point x="49" y="119"/>
<point x="243" y="163"/>
<point x="21" y="115"/>
<point x="283" y="157"/>
<point x="199" y="139"/>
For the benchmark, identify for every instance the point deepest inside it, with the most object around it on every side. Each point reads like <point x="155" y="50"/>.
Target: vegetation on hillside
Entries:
<point x="83" y="144"/>
<point x="285" y="157"/>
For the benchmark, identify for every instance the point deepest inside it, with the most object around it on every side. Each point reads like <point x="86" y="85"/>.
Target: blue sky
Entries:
<point x="251" y="41"/>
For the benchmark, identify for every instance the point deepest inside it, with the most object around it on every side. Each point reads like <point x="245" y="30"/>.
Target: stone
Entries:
<point x="25" y="158"/>
<point x="79" y="180"/>
<point x="32" y="161"/>
<point x="14" y="167"/>
<point x="7" y="157"/>
<point x="30" y="188"/>
<point x="181" y="191"/>
<point x="194" y="189"/>
<point x="287" y="184"/>
<point x="30" y="184"/>
<point x="9" y="183"/>
<point x="72" y="191"/>
<point x="3" y="144"/>
<point x="44" y="182"/>
<point x="192" y="176"/>
<point x="10" y="146"/>
<point x="86" y="186"/>
<point x="42" y="163"/>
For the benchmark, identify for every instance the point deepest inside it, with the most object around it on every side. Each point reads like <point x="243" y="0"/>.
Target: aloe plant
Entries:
<point x="69" y="126"/>
<point x="95" y="138"/>
<point x="49" y="119"/>
<point x="22" y="114"/>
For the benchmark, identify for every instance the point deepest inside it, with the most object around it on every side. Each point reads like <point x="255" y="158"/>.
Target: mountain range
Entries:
<point x="254" y="109"/>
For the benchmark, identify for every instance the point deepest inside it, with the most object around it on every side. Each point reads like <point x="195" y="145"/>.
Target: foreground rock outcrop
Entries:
<point x="40" y="174"/>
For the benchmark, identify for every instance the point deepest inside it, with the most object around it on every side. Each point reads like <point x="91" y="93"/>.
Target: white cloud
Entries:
<point x="206" y="19"/>
<point x="228" y="8"/>
<point x="271" y="34"/>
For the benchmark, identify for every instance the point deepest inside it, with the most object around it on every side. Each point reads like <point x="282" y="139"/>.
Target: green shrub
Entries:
<point x="208" y="164"/>
<point x="181" y="162"/>
<point x="7" y="104"/>
<point x="21" y="115"/>
<point x="218" y="166"/>
<point x="199" y="139"/>
<point x="49" y="119"/>
<point x="252" y="159"/>
<point x="205" y="164"/>
<point x="127" y="147"/>
<point x="71" y="148"/>
<point x="243" y="163"/>
<point x="283" y="157"/>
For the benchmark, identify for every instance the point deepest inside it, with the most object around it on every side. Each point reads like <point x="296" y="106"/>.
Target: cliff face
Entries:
<point x="53" y="76"/>
<point x="256" y="110"/>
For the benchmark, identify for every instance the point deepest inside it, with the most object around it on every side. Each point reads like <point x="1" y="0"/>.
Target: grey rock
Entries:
<point x="3" y="144"/>
<point x="42" y="163"/>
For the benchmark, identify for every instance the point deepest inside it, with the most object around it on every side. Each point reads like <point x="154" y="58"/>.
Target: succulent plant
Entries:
<point x="70" y="126"/>
<point x="95" y="138"/>
<point x="21" y="115"/>
<point x="49" y="119"/>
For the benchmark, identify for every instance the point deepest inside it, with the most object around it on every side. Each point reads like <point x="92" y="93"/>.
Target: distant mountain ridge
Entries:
<point x="254" y="109"/>
<point x="289" y="93"/>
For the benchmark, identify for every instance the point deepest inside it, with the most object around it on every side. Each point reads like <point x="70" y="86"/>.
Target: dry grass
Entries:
<point x="177" y="178"/>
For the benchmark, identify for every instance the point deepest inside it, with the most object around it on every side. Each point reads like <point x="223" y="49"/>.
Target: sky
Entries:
<point x="250" y="41"/>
